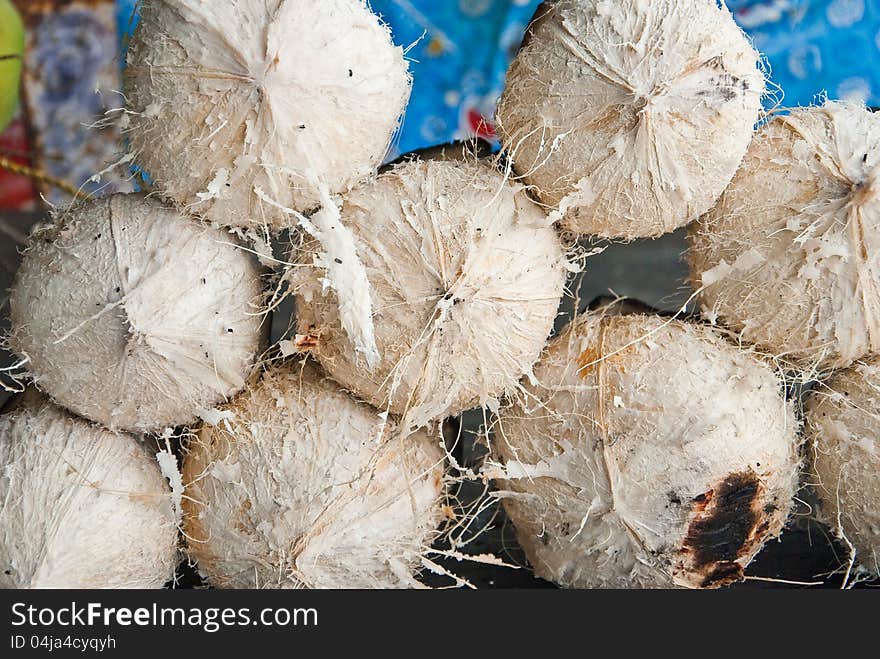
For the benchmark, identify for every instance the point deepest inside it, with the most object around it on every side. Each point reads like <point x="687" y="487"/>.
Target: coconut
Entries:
<point x="282" y="97"/>
<point x="630" y="117"/>
<point x="466" y="276"/>
<point x="134" y="316"/>
<point x="299" y="485"/>
<point x="790" y="257"/>
<point x="651" y="453"/>
<point x="83" y="507"/>
<point x="843" y="427"/>
<point x="253" y="126"/>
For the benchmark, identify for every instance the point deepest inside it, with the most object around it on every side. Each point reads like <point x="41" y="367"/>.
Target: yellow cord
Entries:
<point x="41" y="177"/>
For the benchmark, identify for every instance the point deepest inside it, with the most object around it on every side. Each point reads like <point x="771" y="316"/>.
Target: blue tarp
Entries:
<point x="460" y="50"/>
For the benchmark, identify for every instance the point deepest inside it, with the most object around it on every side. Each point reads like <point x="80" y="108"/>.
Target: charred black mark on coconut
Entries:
<point x="726" y="525"/>
<point x="722" y="574"/>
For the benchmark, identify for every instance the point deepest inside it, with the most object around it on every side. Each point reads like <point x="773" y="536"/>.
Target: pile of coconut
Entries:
<point x="158" y="416"/>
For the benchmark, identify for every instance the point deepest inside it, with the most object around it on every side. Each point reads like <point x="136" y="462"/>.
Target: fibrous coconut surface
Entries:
<point x="650" y="453"/>
<point x="790" y="257"/>
<point x="301" y="486"/>
<point x="134" y="316"/>
<point x="629" y="118"/>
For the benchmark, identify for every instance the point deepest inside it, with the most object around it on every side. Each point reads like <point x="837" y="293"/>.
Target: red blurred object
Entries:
<point x="480" y="125"/>
<point x="16" y="192"/>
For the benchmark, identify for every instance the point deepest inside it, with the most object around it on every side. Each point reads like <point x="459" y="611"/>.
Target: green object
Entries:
<point x="11" y="52"/>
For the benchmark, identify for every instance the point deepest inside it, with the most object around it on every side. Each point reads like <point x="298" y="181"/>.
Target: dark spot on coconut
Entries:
<point x="865" y="158"/>
<point x="716" y="62"/>
<point x="98" y="237"/>
<point x="727" y="94"/>
<point x="701" y="501"/>
<point x="204" y="281"/>
<point x="724" y="527"/>
<point x="302" y="126"/>
<point x="762" y="528"/>
<point x="7" y="572"/>
<point x="350" y="73"/>
<point x="722" y="574"/>
<point x="230" y="331"/>
<point x="338" y="261"/>
<point x="229" y="185"/>
<point x="307" y="342"/>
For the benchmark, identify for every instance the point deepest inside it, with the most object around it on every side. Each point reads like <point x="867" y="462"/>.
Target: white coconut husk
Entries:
<point x="650" y="453"/>
<point x="299" y="485"/>
<point x="790" y="257"/>
<point x="629" y="118"/>
<point x="255" y="125"/>
<point x="82" y="507"/>
<point x="285" y="97"/>
<point x="465" y="279"/>
<point x="843" y="429"/>
<point x="134" y="316"/>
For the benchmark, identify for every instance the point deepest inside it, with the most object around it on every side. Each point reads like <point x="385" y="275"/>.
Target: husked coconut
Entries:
<point x="251" y="112"/>
<point x="134" y="316"/>
<point x="630" y="117"/>
<point x="82" y="507"/>
<point x="790" y="257"/>
<point x="300" y="485"/>
<point x="843" y="427"/>
<point x="650" y="453"/>
<point x="466" y="275"/>
<point x="235" y="102"/>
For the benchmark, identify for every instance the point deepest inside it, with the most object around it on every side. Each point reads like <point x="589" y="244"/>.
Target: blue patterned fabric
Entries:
<point x="817" y="46"/>
<point x="460" y="50"/>
<point x="459" y="60"/>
